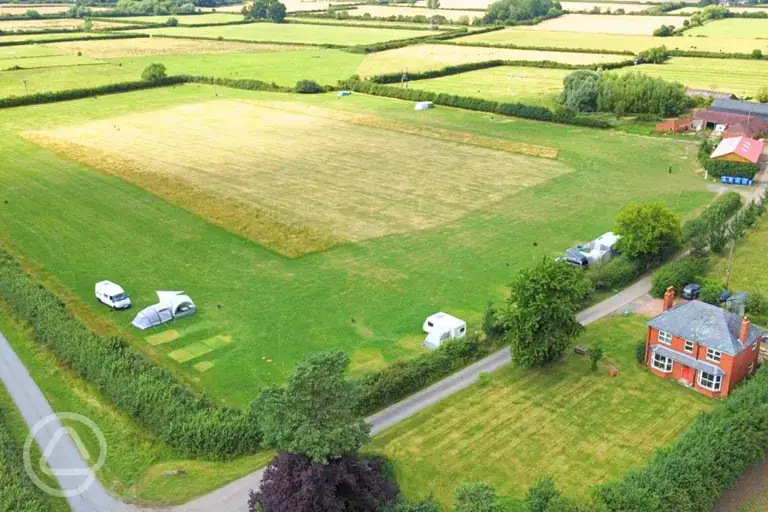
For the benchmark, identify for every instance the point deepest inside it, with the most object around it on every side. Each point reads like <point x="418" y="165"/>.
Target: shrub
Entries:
<point x="664" y="31"/>
<point x="711" y="289"/>
<point x="757" y="54"/>
<point x="655" y="55"/>
<point x="756" y="303"/>
<point x="541" y="494"/>
<point x="614" y="274"/>
<point x="492" y="325"/>
<point x="307" y="87"/>
<point x="17" y="493"/>
<point x="172" y="22"/>
<point x="640" y="352"/>
<point x="718" y="168"/>
<point x="719" y="211"/>
<point x="154" y="73"/>
<point x="678" y="274"/>
<point x="762" y="94"/>
<point x="475" y="497"/>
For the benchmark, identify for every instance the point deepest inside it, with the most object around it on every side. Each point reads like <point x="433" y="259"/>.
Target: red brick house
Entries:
<point x="702" y="346"/>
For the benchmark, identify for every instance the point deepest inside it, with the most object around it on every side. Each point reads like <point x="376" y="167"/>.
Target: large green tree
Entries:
<point x="317" y="413"/>
<point x="649" y="232"/>
<point x="476" y="497"/>
<point x="508" y="11"/>
<point x="540" y="315"/>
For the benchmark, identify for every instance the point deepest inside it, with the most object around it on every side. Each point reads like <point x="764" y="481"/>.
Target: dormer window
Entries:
<point x="713" y="355"/>
<point x="665" y="338"/>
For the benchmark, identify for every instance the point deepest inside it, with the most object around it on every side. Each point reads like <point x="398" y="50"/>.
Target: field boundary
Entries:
<point x="537" y="48"/>
<point x="107" y="35"/>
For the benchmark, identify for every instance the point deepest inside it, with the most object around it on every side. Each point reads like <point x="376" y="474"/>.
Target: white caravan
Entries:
<point x="112" y="295"/>
<point x="441" y="327"/>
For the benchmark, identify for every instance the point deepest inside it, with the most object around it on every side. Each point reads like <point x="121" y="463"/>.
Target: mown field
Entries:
<point x="578" y="426"/>
<point x="119" y="48"/>
<point x="54" y="24"/>
<point x="13" y="64"/>
<point x="483" y="4"/>
<point x="603" y="6"/>
<point x="690" y="10"/>
<point x="385" y="11"/>
<point x="505" y="83"/>
<point x="258" y="311"/>
<point x="622" y="25"/>
<point x="435" y="56"/>
<point x="188" y="20"/>
<point x="733" y="28"/>
<point x="53" y="37"/>
<point x="292" y="33"/>
<point x="608" y="42"/>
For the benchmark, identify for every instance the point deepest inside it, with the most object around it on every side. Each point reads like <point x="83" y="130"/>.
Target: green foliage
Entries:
<point x="708" y="459"/>
<point x="476" y="497"/>
<point x="649" y="233"/>
<point x="317" y="413"/>
<point x="655" y="55"/>
<point x="307" y="87"/>
<point x="154" y="73"/>
<point x="492" y="324"/>
<point x="87" y="25"/>
<point x="678" y="274"/>
<point x="757" y="54"/>
<point x="762" y="94"/>
<point x="510" y="11"/>
<point x="172" y="22"/>
<point x="638" y="93"/>
<point x="542" y="305"/>
<point x="80" y="37"/>
<point x="433" y="4"/>
<point x="640" y="352"/>
<point x="580" y="90"/>
<point x="33" y="14"/>
<point x="595" y="356"/>
<point x="272" y="10"/>
<point x="718" y="168"/>
<point x="614" y="274"/>
<point x="276" y="12"/>
<point x="17" y="492"/>
<point x="404" y="504"/>
<point x="710" y="290"/>
<point x="541" y="494"/>
<point x="664" y="31"/>
<point x="718" y="212"/>
<point x="756" y="303"/>
<point x="186" y="420"/>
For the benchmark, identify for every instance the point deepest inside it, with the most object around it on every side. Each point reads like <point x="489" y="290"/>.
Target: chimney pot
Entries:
<point x="744" y="334"/>
<point x="669" y="298"/>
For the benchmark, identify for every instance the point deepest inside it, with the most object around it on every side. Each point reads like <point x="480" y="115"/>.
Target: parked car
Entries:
<point x="691" y="291"/>
<point x="725" y="296"/>
<point x="112" y="295"/>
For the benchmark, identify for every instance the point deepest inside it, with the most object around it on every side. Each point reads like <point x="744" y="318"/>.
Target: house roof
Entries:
<point x="687" y="360"/>
<point x="750" y="124"/>
<point x="745" y="147"/>
<point x="706" y="325"/>
<point x="741" y="107"/>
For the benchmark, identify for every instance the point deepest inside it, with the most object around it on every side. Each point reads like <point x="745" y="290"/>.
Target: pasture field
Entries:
<point x="483" y="4"/>
<point x="733" y="28"/>
<point x="258" y="311"/>
<point x="690" y="10"/>
<point x="119" y="48"/>
<point x="21" y="52"/>
<point x="435" y="56"/>
<point x="622" y="25"/>
<point x="44" y="62"/>
<point x="578" y="426"/>
<point x="504" y="83"/>
<point x="52" y="37"/>
<point x="292" y="33"/>
<point x="283" y="67"/>
<point x="188" y="20"/>
<point x="555" y="39"/>
<point x="747" y="257"/>
<point x="369" y="23"/>
<point x="740" y="77"/>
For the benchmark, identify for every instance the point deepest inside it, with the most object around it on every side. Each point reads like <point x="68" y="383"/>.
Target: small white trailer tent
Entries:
<point x="602" y="248"/>
<point x="424" y="105"/>
<point x="441" y="327"/>
<point x="170" y="306"/>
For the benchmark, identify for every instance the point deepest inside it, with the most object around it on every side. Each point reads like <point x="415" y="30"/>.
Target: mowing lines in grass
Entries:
<point x="243" y="171"/>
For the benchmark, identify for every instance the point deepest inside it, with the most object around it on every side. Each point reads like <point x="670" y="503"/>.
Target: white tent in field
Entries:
<point x="170" y="305"/>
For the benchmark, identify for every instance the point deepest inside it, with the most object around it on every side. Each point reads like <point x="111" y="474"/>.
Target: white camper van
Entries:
<point x="112" y="295"/>
<point x="441" y="327"/>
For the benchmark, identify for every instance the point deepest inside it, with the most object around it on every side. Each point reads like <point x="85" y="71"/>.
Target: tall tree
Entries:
<point x="649" y="232"/>
<point x="317" y="413"/>
<point x="540" y="317"/>
<point x="476" y="497"/>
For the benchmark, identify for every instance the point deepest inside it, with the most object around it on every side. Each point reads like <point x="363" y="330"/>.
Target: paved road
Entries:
<point x="232" y="497"/>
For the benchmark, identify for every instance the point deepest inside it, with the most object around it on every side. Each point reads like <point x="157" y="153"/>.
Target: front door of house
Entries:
<point x="688" y="375"/>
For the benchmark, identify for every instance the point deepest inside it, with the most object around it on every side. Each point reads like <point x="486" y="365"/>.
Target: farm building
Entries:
<point x="739" y="149"/>
<point x="715" y="95"/>
<point x="702" y="346"/>
<point x="674" y="125"/>
<point x="736" y="125"/>
<point x="747" y="108"/>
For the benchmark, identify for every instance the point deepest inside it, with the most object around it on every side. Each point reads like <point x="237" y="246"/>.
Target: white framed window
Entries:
<point x="710" y="382"/>
<point x="662" y="363"/>
<point x="665" y="338"/>
<point x="751" y="367"/>
<point x="713" y="355"/>
<point x="688" y="346"/>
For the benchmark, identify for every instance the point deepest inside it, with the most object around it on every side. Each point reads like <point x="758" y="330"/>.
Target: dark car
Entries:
<point x="691" y="291"/>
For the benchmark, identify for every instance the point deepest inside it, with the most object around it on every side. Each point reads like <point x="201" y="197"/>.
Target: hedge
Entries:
<point x="691" y="474"/>
<point x="614" y="274"/>
<point x="677" y="274"/>
<point x="540" y="48"/>
<point x="710" y="55"/>
<point x="508" y="109"/>
<point x="73" y="38"/>
<point x="718" y="168"/>
<point x="17" y="493"/>
<point x="720" y="210"/>
<point x="154" y="397"/>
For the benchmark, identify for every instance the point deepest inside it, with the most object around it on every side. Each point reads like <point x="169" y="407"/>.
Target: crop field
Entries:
<point x="119" y="48"/>
<point x="435" y="56"/>
<point x="60" y="24"/>
<point x="578" y="426"/>
<point x="690" y="10"/>
<point x="734" y="28"/>
<point x="385" y="10"/>
<point x="579" y="40"/>
<point x="188" y="20"/>
<point x="292" y="33"/>
<point x="44" y="62"/>
<point x="503" y="83"/>
<point x="740" y="77"/>
<point x="52" y="37"/>
<point x="603" y="6"/>
<point x="622" y="25"/>
<point x="367" y="297"/>
<point x="283" y="67"/>
<point x="18" y="9"/>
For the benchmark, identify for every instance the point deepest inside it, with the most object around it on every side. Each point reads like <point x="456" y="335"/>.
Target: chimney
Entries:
<point x="744" y="334"/>
<point x="669" y="298"/>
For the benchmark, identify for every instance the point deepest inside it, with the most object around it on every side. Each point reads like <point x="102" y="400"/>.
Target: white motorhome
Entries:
<point x="441" y="327"/>
<point x="112" y="295"/>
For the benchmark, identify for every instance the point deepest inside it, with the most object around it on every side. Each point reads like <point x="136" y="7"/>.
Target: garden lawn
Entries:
<point x="283" y="67"/>
<point x="292" y="33"/>
<point x="578" y="426"/>
<point x="504" y="83"/>
<point x="739" y="77"/>
<point x="611" y="42"/>
<point x="260" y="312"/>
<point x="733" y="28"/>
<point x="188" y="20"/>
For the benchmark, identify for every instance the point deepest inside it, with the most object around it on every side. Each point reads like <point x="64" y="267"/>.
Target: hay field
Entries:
<point x="733" y="28"/>
<point x="384" y="11"/>
<point x="56" y="24"/>
<point x="504" y="83"/>
<point x="579" y="426"/>
<point x="556" y="39"/>
<point x="622" y="25"/>
<point x="52" y="37"/>
<point x="188" y="20"/>
<point x="690" y="10"/>
<point x="589" y="6"/>
<point x="17" y="9"/>
<point x="238" y="166"/>
<point x="292" y="33"/>
<point x="117" y="48"/>
<point x="740" y="77"/>
<point x="435" y="56"/>
<point x="45" y="62"/>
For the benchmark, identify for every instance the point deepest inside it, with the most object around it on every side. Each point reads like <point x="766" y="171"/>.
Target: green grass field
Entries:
<point x="198" y="19"/>
<point x="21" y="52"/>
<point x="747" y="268"/>
<point x="292" y="33"/>
<point x="53" y="37"/>
<point x="505" y="83"/>
<point x="578" y="426"/>
<point x="613" y="42"/>
<point x="733" y="28"/>
<point x="54" y="61"/>
<point x="368" y="298"/>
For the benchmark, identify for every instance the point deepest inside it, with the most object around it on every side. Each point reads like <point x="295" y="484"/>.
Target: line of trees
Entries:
<point x="270" y="10"/>
<point x="515" y="11"/>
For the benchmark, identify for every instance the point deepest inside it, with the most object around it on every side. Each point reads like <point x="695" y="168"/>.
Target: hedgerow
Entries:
<point x="718" y="168"/>
<point x="17" y="493"/>
<point x="692" y="473"/>
<point x="720" y="210"/>
<point x="710" y="55"/>
<point x="677" y="274"/>
<point x="154" y="397"/>
<point x="538" y="48"/>
<point x="250" y="41"/>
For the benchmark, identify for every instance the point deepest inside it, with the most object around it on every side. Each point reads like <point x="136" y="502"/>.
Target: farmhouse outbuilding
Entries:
<point x="747" y="108"/>
<point x="739" y="149"/>
<point x="736" y="125"/>
<point x="441" y="327"/>
<point x="704" y="93"/>
<point x="170" y="306"/>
